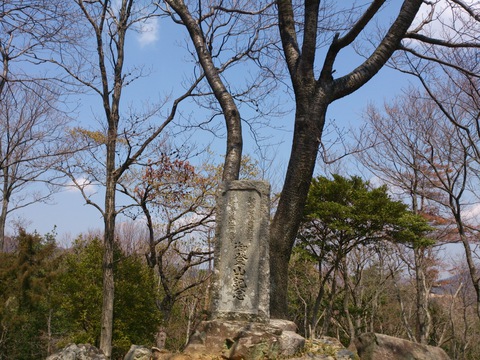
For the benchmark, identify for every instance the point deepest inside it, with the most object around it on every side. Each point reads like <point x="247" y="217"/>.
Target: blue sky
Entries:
<point x="158" y="49"/>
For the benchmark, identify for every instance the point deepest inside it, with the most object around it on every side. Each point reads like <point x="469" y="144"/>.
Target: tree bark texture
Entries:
<point x="313" y="96"/>
<point x="106" y="334"/>
<point x="4" y="211"/>
<point x="230" y="111"/>
<point x="423" y="323"/>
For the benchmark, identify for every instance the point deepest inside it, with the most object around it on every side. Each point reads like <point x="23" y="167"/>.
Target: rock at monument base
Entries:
<point x="371" y="346"/>
<point x="237" y="340"/>
<point x="326" y="348"/>
<point x="78" y="352"/>
<point x="137" y="352"/>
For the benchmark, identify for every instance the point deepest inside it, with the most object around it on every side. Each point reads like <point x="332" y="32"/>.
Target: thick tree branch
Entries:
<point x="309" y="48"/>
<point x="363" y="73"/>
<point x="288" y="35"/>
<point x="339" y="43"/>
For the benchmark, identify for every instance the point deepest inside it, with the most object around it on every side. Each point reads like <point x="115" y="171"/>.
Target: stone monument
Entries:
<point x="242" y="276"/>
<point x="240" y="326"/>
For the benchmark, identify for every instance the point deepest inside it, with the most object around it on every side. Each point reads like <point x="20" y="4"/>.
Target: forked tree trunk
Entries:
<point x="313" y="96"/>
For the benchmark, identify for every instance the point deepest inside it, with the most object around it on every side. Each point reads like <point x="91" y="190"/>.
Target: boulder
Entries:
<point x="245" y="340"/>
<point x="371" y="346"/>
<point x="290" y="343"/>
<point x="78" y="352"/>
<point x="138" y="353"/>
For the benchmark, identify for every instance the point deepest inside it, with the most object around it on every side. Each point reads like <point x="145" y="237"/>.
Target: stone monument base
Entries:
<point x="245" y="340"/>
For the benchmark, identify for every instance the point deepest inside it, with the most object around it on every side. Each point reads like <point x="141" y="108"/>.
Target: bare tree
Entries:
<point x="30" y="116"/>
<point x="307" y="29"/>
<point x="451" y="163"/>
<point x="315" y="88"/>
<point x="396" y="145"/>
<point x="445" y="61"/>
<point x="26" y="28"/>
<point x="97" y="63"/>
<point x="424" y="156"/>
<point x="176" y="201"/>
<point x="30" y="131"/>
<point x="225" y="35"/>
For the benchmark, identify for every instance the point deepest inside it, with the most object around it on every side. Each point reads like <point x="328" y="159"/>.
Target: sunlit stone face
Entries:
<point x="241" y="283"/>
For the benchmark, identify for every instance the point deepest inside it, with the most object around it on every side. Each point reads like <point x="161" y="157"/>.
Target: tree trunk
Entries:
<point x="49" y="332"/>
<point x="423" y="316"/>
<point x="233" y="154"/>
<point x="319" y="298"/>
<point x="3" y="214"/>
<point x="472" y="269"/>
<point x="106" y="333"/>
<point x="348" y="287"/>
<point x="329" y="308"/>
<point x="403" y="312"/>
<point x="285" y="224"/>
<point x="109" y="216"/>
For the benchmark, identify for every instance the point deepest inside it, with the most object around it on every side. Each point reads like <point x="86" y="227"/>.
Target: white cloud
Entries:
<point x="472" y="214"/>
<point x="446" y="17"/>
<point x="83" y="183"/>
<point x="148" y="31"/>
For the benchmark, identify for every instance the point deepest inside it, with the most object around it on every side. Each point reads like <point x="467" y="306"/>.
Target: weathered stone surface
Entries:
<point x="243" y="340"/>
<point x="326" y="348"/>
<point x="290" y="343"/>
<point x="170" y="356"/>
<point x="241" y="286"/>
<point x="78" y="352"/>
<point x="162" y="354"/>
<point x="137" y="352"/>
<point x="371" y="346"/>
<point x="285" y="325"/>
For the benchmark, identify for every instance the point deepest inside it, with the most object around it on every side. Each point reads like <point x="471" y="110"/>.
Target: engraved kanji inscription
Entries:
<point x="239" y="284"/>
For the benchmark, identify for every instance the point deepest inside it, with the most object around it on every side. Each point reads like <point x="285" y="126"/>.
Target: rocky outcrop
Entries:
<point x="371" y="346"/>
<point x="248" y="341"/>
<point x="245" y="340"/>
<point x="78" y="352"/>
<point x="324" y="348"/>
<point x="274" y="340"/>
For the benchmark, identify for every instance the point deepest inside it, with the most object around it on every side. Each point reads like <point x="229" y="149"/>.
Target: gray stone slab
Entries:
<point x="241" y="286"/>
